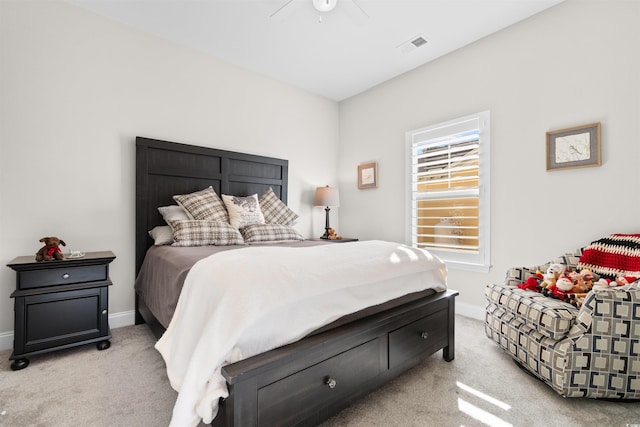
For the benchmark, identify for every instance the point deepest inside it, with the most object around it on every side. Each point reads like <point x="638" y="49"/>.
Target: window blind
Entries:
<point x="446" y="187"/>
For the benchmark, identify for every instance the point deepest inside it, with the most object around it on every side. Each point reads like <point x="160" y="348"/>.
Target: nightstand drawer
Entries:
<point x="62" y="275"/>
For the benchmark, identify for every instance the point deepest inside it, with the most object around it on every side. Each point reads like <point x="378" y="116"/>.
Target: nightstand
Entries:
<point x="343" y="240"/>
<point x="60" y="304"/>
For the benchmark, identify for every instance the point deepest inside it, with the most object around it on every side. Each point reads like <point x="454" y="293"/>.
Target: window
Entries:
<point x="448" y="190"/>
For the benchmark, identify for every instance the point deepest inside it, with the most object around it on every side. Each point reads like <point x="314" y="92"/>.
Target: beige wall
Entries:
<point x="75" y="91"/>
<point x="576" y="63"/>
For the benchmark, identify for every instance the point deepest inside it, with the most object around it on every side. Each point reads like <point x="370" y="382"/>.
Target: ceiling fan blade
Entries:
<point x="361" y="9"/>
<point x="280" y="8"/>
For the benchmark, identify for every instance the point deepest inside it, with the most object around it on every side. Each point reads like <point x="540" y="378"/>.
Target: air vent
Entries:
<point x="413" y="44"/>
<point x="418" y="41"/>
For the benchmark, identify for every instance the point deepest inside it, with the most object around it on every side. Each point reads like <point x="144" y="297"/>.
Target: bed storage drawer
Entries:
<point x="424" y="336"/>
<point x="290" y="399"/>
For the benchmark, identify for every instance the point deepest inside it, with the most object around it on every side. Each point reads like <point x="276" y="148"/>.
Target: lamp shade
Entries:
<point x="327" y="196"/>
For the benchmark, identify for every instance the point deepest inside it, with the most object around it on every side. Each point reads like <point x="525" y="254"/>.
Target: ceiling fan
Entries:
<point x="321" y="6"/>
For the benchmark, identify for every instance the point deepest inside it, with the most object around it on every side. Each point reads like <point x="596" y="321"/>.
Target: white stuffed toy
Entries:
<point x="553" y="273"/>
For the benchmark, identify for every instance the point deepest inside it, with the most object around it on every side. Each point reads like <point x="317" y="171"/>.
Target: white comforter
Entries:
<point x="239" y="303"/>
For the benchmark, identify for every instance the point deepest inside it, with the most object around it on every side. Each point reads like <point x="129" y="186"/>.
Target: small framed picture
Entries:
<point x="367" y="175"/>
<point x="575" y="147"/>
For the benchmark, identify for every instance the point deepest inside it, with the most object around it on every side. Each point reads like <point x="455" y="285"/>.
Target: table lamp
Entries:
<point x="327" y="197"/>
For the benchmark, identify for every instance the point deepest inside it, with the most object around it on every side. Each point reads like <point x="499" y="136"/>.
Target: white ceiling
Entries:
<point x="346" y="53"/>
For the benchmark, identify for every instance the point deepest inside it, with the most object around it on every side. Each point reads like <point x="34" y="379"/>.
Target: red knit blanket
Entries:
<point x="613" y="256"/>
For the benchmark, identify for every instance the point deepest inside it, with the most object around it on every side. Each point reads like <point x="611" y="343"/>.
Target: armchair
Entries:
<point x="592" y="351"/>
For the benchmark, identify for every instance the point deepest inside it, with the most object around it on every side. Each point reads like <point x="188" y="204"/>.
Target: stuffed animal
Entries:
<point x="582" y="281"/>
<point x="51" y="249"/>
<point x="560" y="289"/>
<point x="625" y="280"/>
<point x="602" y="283"/>
<point x="618" y="281"/>
<point x="333" y="235"/>
<point x="533" y="282"/>
<point x="553" y="273"/>
<point x="588" y="277"/>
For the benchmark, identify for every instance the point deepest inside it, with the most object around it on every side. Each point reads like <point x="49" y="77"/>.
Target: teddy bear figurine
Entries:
<point x="333" y="235"/>
<point x="51" y="249"/>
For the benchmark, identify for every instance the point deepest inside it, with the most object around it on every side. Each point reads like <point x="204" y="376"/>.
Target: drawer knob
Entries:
<point x="66" y="276"/>
<point x="104" y="311"/>
<point x="331" y="383"/>
<point x="424" y="335"/>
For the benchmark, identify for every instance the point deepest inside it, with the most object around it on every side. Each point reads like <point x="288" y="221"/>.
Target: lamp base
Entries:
<point x="326" y="224"/>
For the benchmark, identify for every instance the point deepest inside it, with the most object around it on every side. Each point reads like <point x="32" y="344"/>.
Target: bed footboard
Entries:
<point x="312" y="379"/>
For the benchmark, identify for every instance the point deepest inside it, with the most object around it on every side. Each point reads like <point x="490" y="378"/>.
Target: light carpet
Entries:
<point x="126" y="385"/>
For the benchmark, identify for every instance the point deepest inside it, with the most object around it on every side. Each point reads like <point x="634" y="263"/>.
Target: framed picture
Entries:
<point x="367" y="175"/>
<point x="576" y="147"/>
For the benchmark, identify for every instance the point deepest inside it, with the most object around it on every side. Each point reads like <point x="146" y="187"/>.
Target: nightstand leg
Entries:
<point x="103" y="345"/>
<point x="18" y="364"/>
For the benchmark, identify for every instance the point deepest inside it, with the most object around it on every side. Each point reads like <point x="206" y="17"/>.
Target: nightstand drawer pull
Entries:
<point x="424" y="335"/>
<point x="104" y="311"/>
<point x="331" y="383"/>
<point x="66" y="275"/>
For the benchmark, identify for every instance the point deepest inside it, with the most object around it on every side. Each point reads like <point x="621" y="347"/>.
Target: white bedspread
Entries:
<point x="236" y="304"/>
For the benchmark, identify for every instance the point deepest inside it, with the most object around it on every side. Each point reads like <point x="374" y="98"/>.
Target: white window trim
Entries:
<point x="480" y="262"/>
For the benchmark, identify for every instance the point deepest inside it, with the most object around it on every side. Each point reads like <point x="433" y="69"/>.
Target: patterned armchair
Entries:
<point x="591" y="351"/>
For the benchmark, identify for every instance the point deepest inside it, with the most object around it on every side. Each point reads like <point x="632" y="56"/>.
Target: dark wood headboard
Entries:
<point x="166" y="168"/>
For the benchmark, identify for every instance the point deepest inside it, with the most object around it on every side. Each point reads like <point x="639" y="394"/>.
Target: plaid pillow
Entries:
<point x="269" y="233"/>
<point x="204" y="204"/>
<point x="192" y="232"/>
<point x="275" y="211"/>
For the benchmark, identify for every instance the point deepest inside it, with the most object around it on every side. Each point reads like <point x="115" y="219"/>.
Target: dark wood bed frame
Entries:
<point x="312" y="379"/>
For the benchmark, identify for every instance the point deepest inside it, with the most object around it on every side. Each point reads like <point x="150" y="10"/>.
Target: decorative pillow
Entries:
<point x="243" y="211"/>
<point x="172" y="213"/>
<point x="613" y="256"/>
<point x="161" y="235"/>
<point x="204" y="204"/>
<point x="275" y="211"/>
<point x="269" y="233"/>
<point x="202" y="233"/>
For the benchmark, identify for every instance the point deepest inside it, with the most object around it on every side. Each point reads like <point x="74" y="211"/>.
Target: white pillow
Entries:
<point x="243" y="211"/>
<point x="161" y="235"/>
<point x="173" y="213"/>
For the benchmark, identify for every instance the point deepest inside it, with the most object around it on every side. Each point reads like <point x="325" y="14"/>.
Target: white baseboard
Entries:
<point x="124" y="318"/>
<point x="470" y="310"/>
<point x="116" y="320"/>
<point x="6" y="340"/>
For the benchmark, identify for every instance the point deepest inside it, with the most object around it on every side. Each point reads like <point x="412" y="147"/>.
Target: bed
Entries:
<point x="314" y="377"/>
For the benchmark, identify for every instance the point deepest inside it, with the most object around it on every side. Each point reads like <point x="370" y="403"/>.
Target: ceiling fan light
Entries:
<point x="324" y="5"/>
